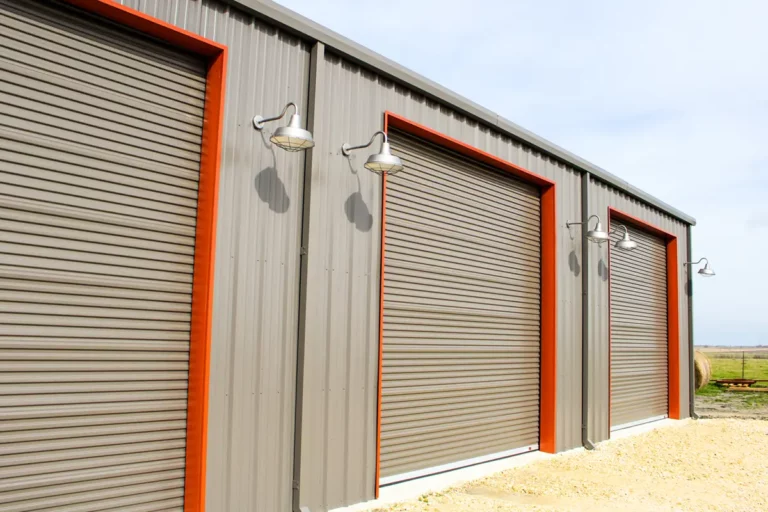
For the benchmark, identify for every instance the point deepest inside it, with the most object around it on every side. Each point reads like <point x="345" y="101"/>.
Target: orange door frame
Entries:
<point x="548" y="391"/>
<point x="205" y="232"/>
<point x="673" y="310"/>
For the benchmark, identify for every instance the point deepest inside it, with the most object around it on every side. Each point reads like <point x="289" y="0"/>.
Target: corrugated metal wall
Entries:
<point x="602" y="197"/>
<point x="257" y="255"/>
<point x="253" y="358"/>
<point x="338" y="462"/>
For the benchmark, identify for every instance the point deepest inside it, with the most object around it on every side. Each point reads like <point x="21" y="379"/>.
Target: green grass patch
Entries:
<point x="731" y="368"/>
<point x="710" y="390"/>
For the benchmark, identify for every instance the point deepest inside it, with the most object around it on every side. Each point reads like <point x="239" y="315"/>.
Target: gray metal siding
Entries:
<point x="267" y="68"/>
<point x="639" y="340"/>
<point x="255" y="312"/>
<point x="339" y="451"/>
<point x="99" y="167"/>
<point x="462" y="311"/>
<point x="602" y="197"/>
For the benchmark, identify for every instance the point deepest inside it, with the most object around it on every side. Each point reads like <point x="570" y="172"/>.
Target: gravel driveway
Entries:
<point x="705" y="465"/>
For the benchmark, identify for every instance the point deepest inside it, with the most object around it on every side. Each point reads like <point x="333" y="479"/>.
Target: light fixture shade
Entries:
<point x="626" y="244"/>
<point x="293" y="137"/>
<point x="384" y="162"/>
<point x="598" y="234"/>
<point x="707" y="271"/>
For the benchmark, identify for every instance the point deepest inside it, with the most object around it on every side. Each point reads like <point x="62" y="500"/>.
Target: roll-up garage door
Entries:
<point x="100" y="133"/>
<point x="639" y="348"/>
<point x="461" y="314"/>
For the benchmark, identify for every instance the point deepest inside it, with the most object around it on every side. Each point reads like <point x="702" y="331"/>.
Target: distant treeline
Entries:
<point x="737" y="355"/>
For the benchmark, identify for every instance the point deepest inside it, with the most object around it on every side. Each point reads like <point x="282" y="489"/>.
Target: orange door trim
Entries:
<point x="205" y="234"/>
<point x="673" y="307"/>
<point x="548" y="392"/>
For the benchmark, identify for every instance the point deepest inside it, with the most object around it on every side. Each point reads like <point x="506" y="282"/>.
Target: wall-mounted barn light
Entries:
<point x="597" y="235"/>
<point x="382" y="163"/>
<point x="706" y="271"/>
<point x="292" y="137"/>
<point x="625" y="244"/>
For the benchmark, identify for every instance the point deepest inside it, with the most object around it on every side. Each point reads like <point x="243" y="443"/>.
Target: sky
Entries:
<point x="671" y="96"/>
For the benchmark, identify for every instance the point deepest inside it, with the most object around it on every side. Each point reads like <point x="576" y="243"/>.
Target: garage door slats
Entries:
<point x="442" y="211"/>
<point x="453" y="203"/>
<point x="57" y="494"/>
<point x="430" y="223"/>
<point x="101" y="222"/>
<point x="57" y="155"/>
<point x="162" y="120"/>
<point x="469" y="449"/>
<point x="22" y="49"/>
<point x="37" y="28"/>
<point x="111" y="126"/>
<point x="639" y="343"/>
<point x="442" y="237"/>
<point x="489" y="185"/>
<point x="445" y="260"/>
<point x="142" y="184"/>
<point x="461" y="312"/>
<point x="100" y="137"/>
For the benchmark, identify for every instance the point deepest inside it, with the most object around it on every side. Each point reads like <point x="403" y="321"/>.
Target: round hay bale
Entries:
<point x="703" y="369"/>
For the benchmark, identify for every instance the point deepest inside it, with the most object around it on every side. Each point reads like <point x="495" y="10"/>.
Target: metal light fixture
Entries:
<point x="625" y="244"/>
<point x="382" y="163"/>
<point x="706" y="271"/>
<point x="597" y="235"/>
<point x="292" y="137"/>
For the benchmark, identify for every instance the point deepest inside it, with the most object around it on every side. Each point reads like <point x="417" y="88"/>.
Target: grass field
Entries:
<point x="728" y="365"/>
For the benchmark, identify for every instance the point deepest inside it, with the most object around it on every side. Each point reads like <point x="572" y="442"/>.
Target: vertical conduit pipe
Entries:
<point x="589" y="445"/>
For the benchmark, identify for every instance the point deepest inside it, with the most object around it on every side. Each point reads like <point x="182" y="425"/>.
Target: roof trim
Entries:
<point x="309" y="30"/>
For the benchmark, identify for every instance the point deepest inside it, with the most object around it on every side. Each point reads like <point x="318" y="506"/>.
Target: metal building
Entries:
<point x="195" y="319"/>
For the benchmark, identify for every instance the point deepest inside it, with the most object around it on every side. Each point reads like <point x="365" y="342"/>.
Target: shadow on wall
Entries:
<point x="573" y="263"/>
<point x="356" y="210"/>
<point x="358" y="213"/>
<point x="602" y="270"/>
<point x="271" y="190"/>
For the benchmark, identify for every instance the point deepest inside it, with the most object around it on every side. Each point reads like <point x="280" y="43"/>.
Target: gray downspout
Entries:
<point x="314" y="117"/>
<point x="691" y="367"/>
<point x="589" y="445"/>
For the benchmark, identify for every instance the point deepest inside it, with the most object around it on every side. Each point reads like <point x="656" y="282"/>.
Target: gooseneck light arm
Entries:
<point x="695" y="262"/>
<point x="346" y="148"/>
<point x="626" y="231"/>
<point x="259" y="122"/>
<point x="593" y="216"/>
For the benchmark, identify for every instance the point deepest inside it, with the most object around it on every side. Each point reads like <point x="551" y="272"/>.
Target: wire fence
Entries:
<point x="750" y="364"/>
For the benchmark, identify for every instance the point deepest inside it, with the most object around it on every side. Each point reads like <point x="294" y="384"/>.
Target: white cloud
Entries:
<point x="670" y="96"/>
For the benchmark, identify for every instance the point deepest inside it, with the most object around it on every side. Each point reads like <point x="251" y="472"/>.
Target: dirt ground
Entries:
<point x="731" y="405"/>
<point x="705" y="465"/>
